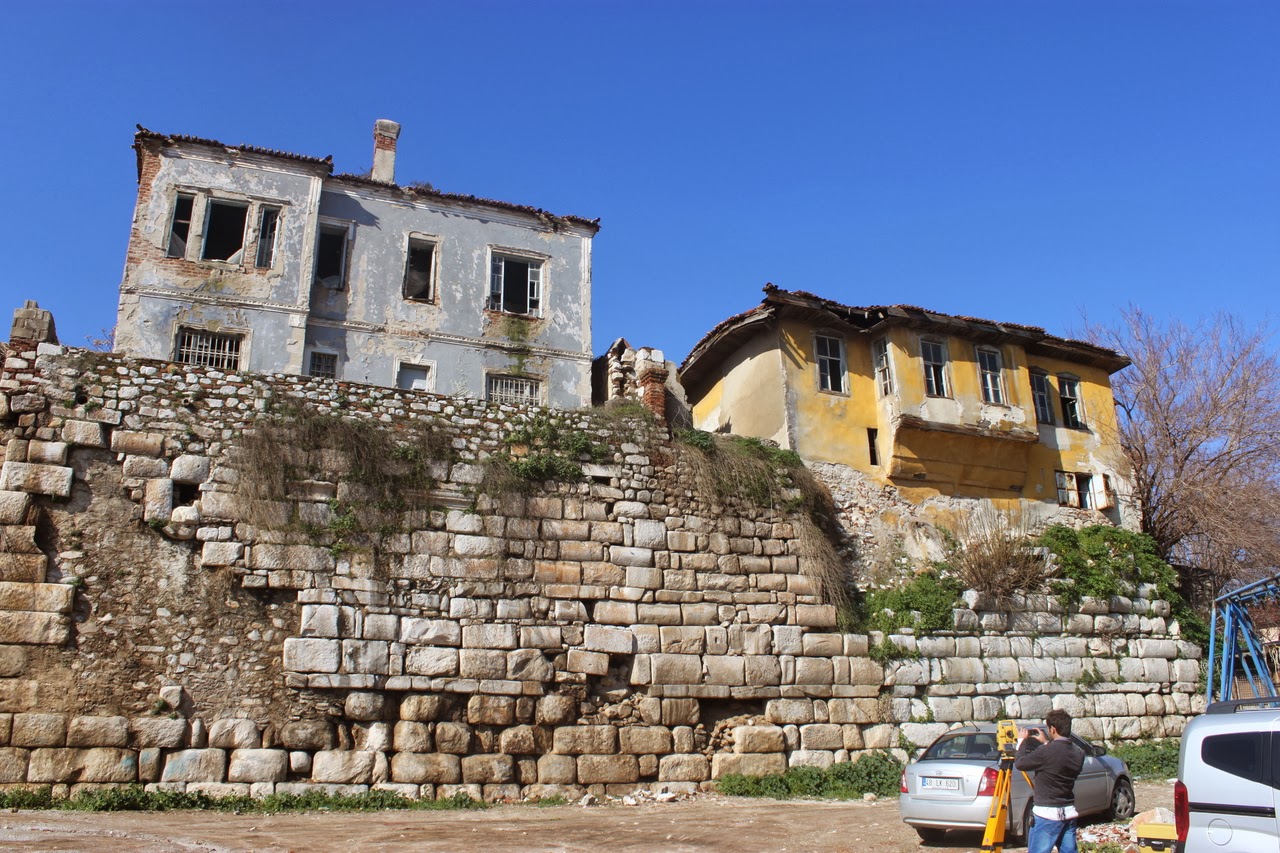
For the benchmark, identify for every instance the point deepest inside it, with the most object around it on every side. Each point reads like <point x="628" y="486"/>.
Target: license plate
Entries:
<point x="937" y="783"/>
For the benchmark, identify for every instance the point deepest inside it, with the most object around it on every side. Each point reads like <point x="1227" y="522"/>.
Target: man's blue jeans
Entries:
<point x="1045" y="834"/>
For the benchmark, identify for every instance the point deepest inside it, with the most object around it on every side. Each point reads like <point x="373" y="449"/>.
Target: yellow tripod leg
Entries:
<point x="998" y="817"/>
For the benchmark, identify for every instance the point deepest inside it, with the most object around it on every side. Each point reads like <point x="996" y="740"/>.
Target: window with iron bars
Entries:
<point x="209" y="349"/>
<point x="512" y="390"/>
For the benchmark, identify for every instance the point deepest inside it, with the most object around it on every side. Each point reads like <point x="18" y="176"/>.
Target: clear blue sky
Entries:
<point x="1018" y="161"/>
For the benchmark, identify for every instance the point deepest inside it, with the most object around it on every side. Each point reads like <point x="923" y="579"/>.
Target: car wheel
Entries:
<point x="931" y="834"/>
<point x="1123" y="802"/>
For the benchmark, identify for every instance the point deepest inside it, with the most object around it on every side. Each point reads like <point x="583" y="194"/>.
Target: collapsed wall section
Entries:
<point x="206" y="584"/>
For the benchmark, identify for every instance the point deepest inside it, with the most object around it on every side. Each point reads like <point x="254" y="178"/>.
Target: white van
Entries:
<point x="1229" y="779"/>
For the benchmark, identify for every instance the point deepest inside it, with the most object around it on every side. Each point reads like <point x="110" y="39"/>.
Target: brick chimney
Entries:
<point x="385" y="134"/>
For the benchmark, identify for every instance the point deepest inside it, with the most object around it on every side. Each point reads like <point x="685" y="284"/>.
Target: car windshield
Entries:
<point x="981" y="745"/>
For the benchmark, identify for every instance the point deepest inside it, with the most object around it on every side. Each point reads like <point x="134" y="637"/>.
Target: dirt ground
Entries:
<point x="714" y="823"/>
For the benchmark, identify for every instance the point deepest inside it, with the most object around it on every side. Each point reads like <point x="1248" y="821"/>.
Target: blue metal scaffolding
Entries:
<point x="1242" y="648"/>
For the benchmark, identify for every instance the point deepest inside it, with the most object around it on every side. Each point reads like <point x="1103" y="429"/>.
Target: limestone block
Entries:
<point x="47" y="452"/>
<point x="421" y="707"/>
<point x="615" y="612"/>
<point x="821" y="736"/>
<point x="493" y="769"/>
<point x="823" y="645"/>
<point x="300" y="763"/>
<point x="221" y="553"/>
<point x="481" y="663"/>
<point x="426" y="769"/>
<point x="98" y="731"/>
<point x="6" y="728"/>
<point x="364" y="705"/>
<point x="682" y="640"/>
<point x="951" y="710"/>
<point x="500" y="636"/>
<point x="607" y="769"/>
<point x="85" y="433"/>
<point x="762" y="670"/>
<point x="453" y="738"/>
<point x="369" y="657"/>
<point x="410" y="736"/>
<point x="519" y="740"/>
<point x="52" y="480"/>
<point x="789" y="711"/>
<point x="676" y="669"/>
<point x="157" y="500"/>
<point x="529" y="665"/>
<point x="457" y="521"/>
<point x="34" y="730"/>
<point x="491" y="710"/>
<point x="649" y="533"/>
<point x="748" y="764"/>
<point x="345" y="766"/>
<point x="556" y="709"/>
<point x="725" y="670"/>
<point x="557" y="769"/>
<point x="591" y="663"/>
<point x="645" y="740"/>
<point x="680" y="712"/>
<point x="585" y="740"/>
<point x="601" y="638"/>
<point x="758" y="739"/>
<point x="312" y="655"/>
<point x="814" y="671"/>
<point x="235" y="734"/>
<point x="140" y="443"/>
<point x="158" y="732"/>
<point x="307" y="735"/>
<point x="258" y="765"/>
<point x="659" y="614"/>
<point x="431" y="632"/>
<point x="13" y="765"/>
<point x="14" y="506"/>
<point x="18" y="539"/>
<point x="189" y="468"/>
<point x="195" y="765"/>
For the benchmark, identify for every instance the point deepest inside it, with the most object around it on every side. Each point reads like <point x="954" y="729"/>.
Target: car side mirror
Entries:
<point x="1099" y="751"/>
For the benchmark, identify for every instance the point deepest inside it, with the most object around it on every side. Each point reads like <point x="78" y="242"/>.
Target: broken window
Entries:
<point x="180" y="228"/>
<point x="268" y="227"/>
<point x="512" y="390"/>
<point x="873" y="452"/>
<point x="1069" y="396"/>
<point x="1042" y="394"/>
<point x="515" y="285"/>
<point x="883" y="367"/>
<point x="1084" y="490"/>
<point x="413" y="377"/>
<point x="989" y="367"/>
<point x="208" y="349"/>
<point x="324" y="365"/>
<point x="830" y="355"/>
<point x="417" y="270"/>
<point x="224" y="231"/>
<point x="331" y="256"/>
<point x="934" y="354"/>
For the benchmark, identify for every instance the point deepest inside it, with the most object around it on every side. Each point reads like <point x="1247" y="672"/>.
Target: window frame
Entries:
<point x="428" y="367"/>
<point x="991" y="381"/>
<point x="273" y="245"/>
<point x="882" y="365"/>
<point x="215" y="360"/>
<point x="533" y="400"/>
<point x="1073" y="414"/>
<point x="1042" y="398"/>
<point x="432" y="267"/>
<point x="935" y="372"/>
<point x="174" y="221"/>
<point x="212" y="202"/>
<point x="311" y="363"/>
<point x="536" y="291"/>
<point x="1083" y="490"/>
<point x="329" y="225"/>
<point x="841" y="360"/>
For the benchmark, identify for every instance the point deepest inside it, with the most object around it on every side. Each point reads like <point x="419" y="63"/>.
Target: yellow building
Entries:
<point x="933" y="404"/>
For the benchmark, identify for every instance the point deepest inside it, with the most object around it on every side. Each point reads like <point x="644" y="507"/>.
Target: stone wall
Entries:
<point x="164" y="624"/>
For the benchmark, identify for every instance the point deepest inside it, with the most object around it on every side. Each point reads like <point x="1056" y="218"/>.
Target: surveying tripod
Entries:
<point x="998" y="817"/>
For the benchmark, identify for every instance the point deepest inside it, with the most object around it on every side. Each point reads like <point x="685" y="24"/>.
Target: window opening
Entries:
<point x="209" y="349"/>
<point x="989" y="367"/>
<point x="324" y="365"/>
<point x="185" y="494"/>
<point x="1042" y="394"/>
<point x="872" y="450"/>
<point x="884" y="370"/>
<point x="224" y="231"/>
<point x="830" y="353"/>
<point x="331" y="257"/>
<point x="417" y="271"/>
<point x="180" y="228"/>
<point x="1075" y="490"/>
<point x="1069" y="395"/>
<point x="512" y="390"/>
<point x="268" y="225"/>
<point x="935" y="368"/>
<point x="413" y="377"/>
<point x="515" y="286"/>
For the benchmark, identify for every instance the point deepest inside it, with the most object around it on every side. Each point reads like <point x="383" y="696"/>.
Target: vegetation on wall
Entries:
<point x="925" y="605"/>
<point x="537" y="449"/>
<point x="134" y="798"/>
<point x="992" y="552"/>
<point x="873" y="773"/>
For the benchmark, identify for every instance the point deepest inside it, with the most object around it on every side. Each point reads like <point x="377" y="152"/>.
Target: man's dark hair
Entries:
<point x="1060" y="720"/>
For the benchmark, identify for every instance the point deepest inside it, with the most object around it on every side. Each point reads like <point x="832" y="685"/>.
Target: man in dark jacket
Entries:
<point x="1056" y="760"/>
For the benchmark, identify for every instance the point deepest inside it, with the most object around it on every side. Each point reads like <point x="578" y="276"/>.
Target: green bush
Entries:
<point x="136" y="798"/>
<point x="928" y="594"/>
<point x="1152" y="759"/>
<point x="875" y="773"/>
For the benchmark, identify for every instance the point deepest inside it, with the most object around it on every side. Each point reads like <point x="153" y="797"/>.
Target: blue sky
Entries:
<point x="1022" y="161"/>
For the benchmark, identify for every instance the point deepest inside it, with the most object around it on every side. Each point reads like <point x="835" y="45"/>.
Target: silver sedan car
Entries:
<point x="951" y="784"/>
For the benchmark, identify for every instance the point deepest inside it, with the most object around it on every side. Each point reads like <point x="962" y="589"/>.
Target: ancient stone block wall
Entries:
<point x="626" y="629"/>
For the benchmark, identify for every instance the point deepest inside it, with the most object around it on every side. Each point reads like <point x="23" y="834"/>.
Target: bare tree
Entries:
<point x="1199" y="414"/>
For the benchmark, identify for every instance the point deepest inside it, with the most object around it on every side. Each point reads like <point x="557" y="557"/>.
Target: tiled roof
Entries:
<point x="417" y="190"/>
